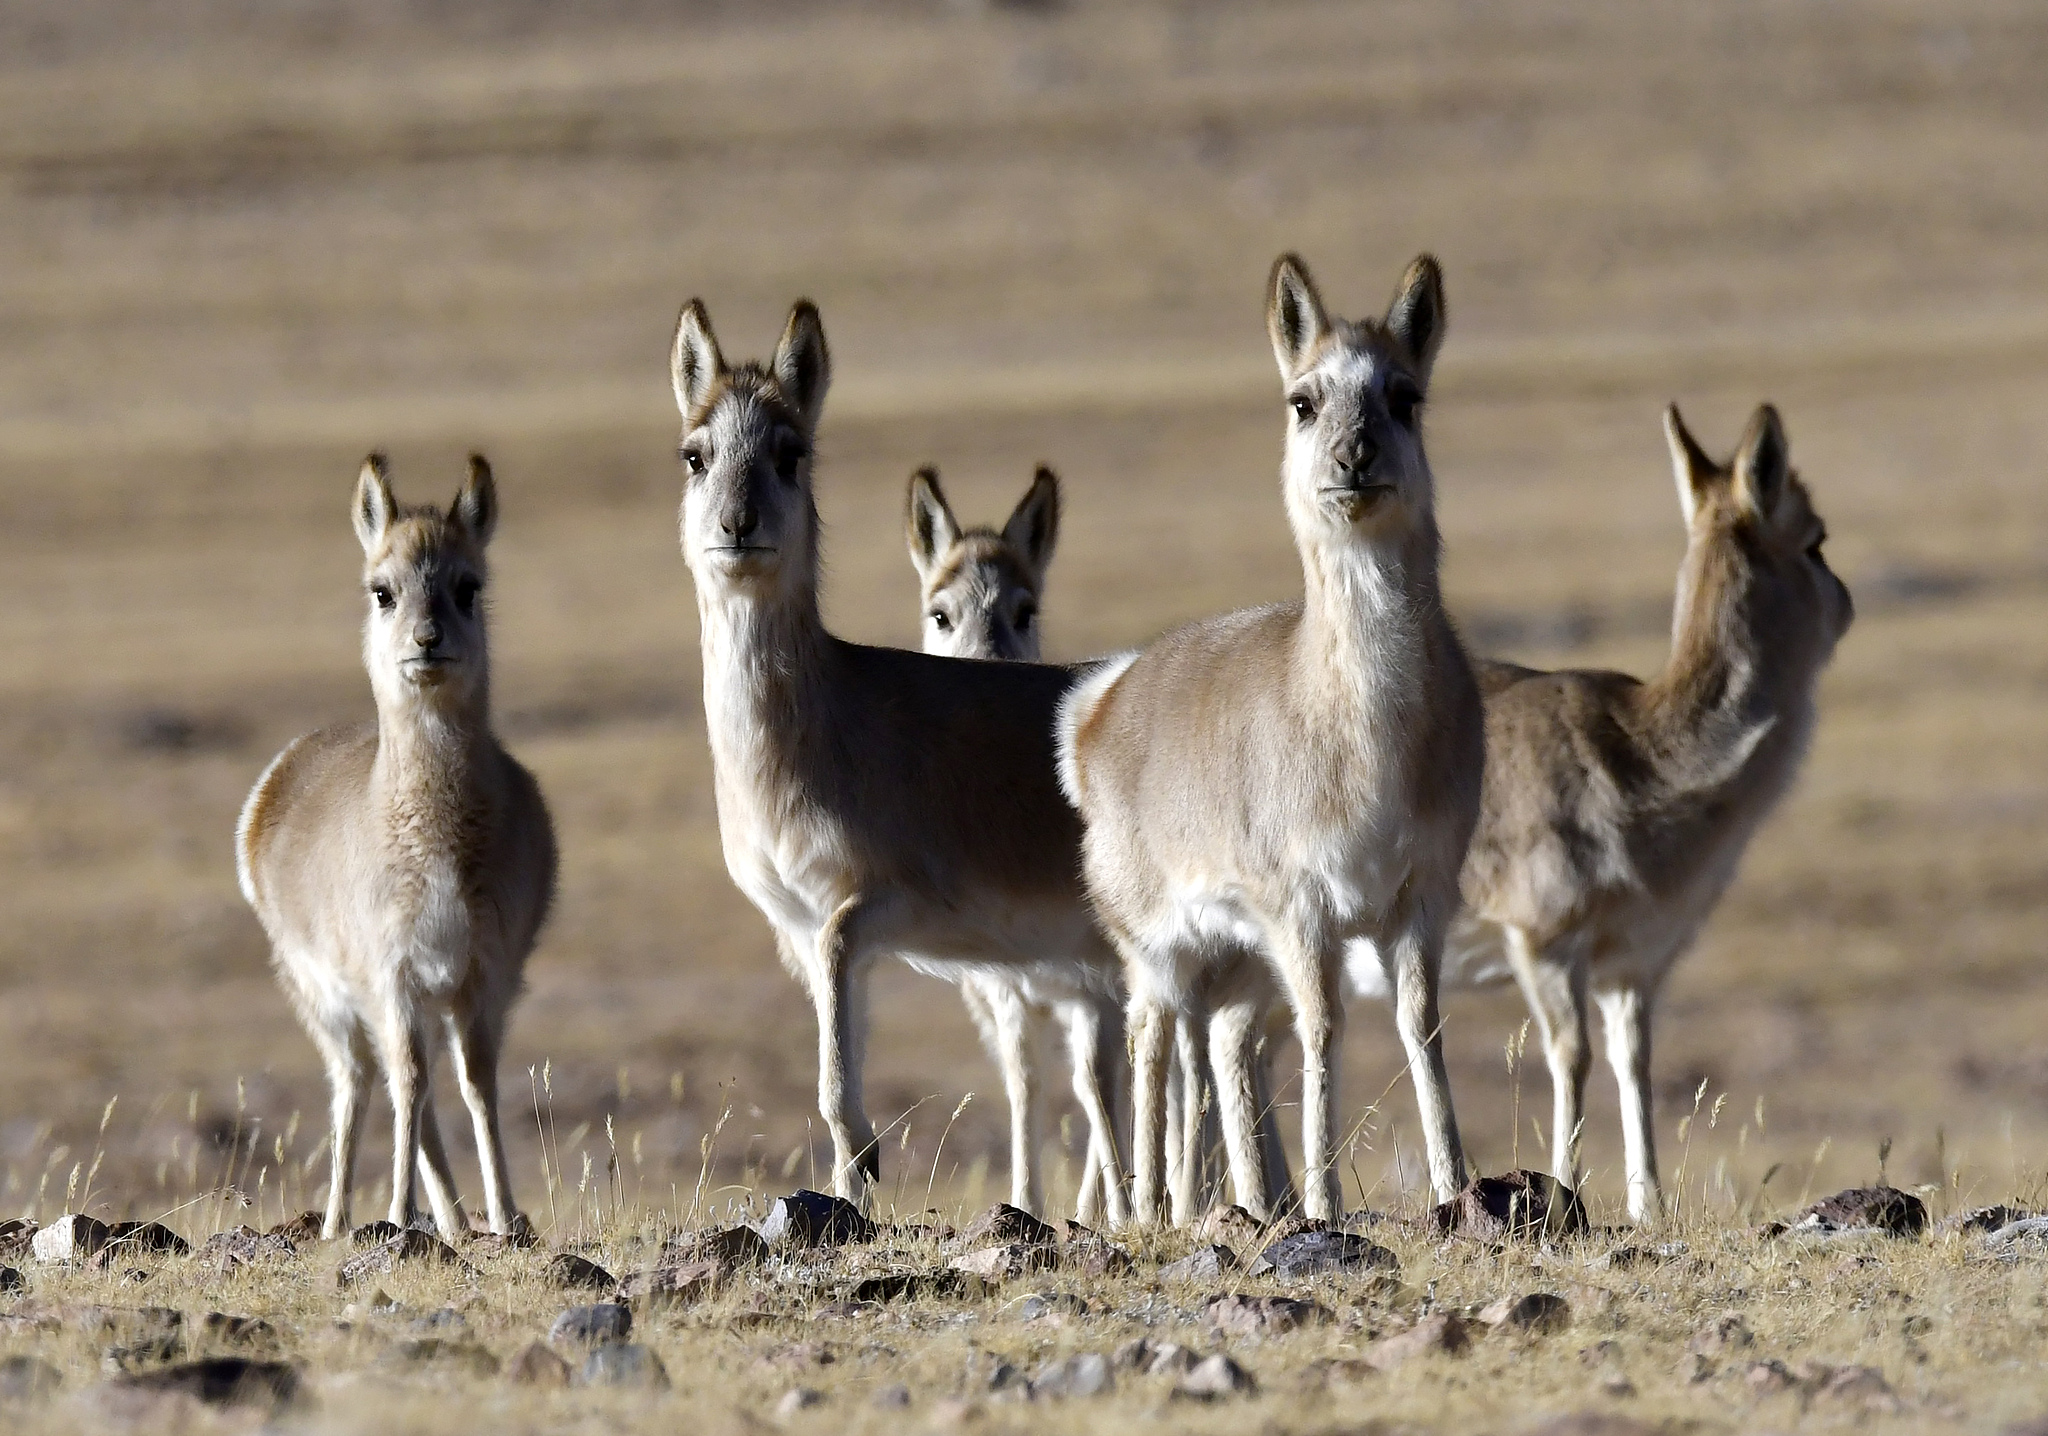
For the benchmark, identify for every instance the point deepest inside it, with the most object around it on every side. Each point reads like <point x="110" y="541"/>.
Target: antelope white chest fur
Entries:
<point x="981" y="591"/>
<point x="1616" y="811"/>
<point x="870" y="800"/>
<point x="1281" y="782"/>
<point x="403" y="869"/>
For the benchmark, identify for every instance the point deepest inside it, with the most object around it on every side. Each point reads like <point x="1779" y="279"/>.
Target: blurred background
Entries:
<point x="242" y="243"/>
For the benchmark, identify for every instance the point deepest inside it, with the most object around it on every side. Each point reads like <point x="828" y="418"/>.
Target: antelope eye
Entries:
<point x="789" y="452"/>
<point x="940" y="621"/>
<point x="386" y="600"/>
<point x="1813" y="549"/>
<point x="1304" y="408"/>
<point x="1025" y="613"/>
<point x="1403" y="400"/>
<point x="693" y="461"/>
<point x="466" y="589"/>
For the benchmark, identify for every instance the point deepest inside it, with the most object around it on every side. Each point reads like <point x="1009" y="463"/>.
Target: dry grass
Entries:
<point x="240" y="247"/>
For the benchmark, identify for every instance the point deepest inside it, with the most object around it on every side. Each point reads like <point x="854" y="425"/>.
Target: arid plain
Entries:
<point x="240" y="247"/>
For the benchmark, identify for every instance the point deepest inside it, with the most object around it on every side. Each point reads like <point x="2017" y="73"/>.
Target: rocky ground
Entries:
<point x="1504" y="1310"/>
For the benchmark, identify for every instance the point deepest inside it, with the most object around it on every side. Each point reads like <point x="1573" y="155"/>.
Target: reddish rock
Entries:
<point x="1518" y="1204"/>
<point x="1443" y="1333"/>
<point x="1237" y="1315"/>
<point x="1004" y="1225"/>
<point x="1887" y="1209"/>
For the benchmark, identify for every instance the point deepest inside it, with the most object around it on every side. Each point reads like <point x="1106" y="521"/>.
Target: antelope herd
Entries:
<point x="1175" y="855"/>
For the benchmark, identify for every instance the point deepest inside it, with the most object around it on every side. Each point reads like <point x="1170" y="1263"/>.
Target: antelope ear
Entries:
<point x="928" y="521"/>
<point x="1694" y="472"/>
<point x="1034" y="525"/>
<point x="476" y="507"/>
<point x="1763" y="463"/>
<point x="803" y="365"/>
<point x="375" y="508"/>
<point x="1295" y="318"/>
<point x="1417" y="315"/>
<point x="694" y="363"/>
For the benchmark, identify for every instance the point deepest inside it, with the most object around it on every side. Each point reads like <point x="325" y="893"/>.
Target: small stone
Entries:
<point x="1443" y="1333"/>
<point x="1006" y="1262"/>
<point x="891" y="1398"/>
<point x="1517" y="1204"/>
<point x="1086" y="1374"/>
<point x="1982" y="1219"/>
<point x="12" y="1280"/>
<point x="1088" y="1254"/>
<point x="572" y="1272"/>
<point x="72" y="1237"/>
<point x="1209" y="1263"/>
<point x="220" y="1381"/>
<point x="908" y="1285"/>
<point x="1769" y="1377"/>
<point x="1152" y="1358"/>
<point x="300" y="1230"/>
<point x="1046" y="1306"/>
<point x="1312" y="1253"/>
<point x="372" y="1234"/>
<point x="624" y="1363"/>
<point x="812" y="1219"/>
<point x="1230" y="1226"/>
<point x="687" y="1281"/>
<point x="736" y="1246"/>
<point x="1236" y="1315"/>
<point x="231" y="1250"/>
<point x="1541" y="1312"/>
<point x="24" y="1378"/>
<point x="1213" y="1378"/>
<point x="799" y="1398"/>
<point x="1887" y="1209"/>
<point x="2022" y="1231"/>
<point x="407" y="1248"/>
<point x="537" y="1366"/>
<point x="590" y="1325"/>
<point x="1003" y="1224"/>
<point x="1726" y="1333"/>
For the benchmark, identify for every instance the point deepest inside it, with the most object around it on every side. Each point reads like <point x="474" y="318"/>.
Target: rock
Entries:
<point x="494" y="1244"/>
<point x="573" y="1272"/>
<point x="1210" y="1263"/>
<point x="148" y="1237"/>
<point x="24" y="1378"/>
<point x="590" y="1325"/>
<point x="1003" y="1224"/>
<point x="1087" y="1253"/>
<point x="537" y="1366"/>
<point x="301" y="1230"/>
<point x="17" y="1236"/>
<point x="1515" y="1204"/>
<point x="1769" y="1377"/>
<point x="12" y="1280"/>
<point x="1443" y="1333"/>
<point x="901" y="1285"/>
<point x="238" y="1247"/>
<point x="1213" y="1378"/>
<point x="1086" y="1374"/>
<point x="220" y="1381"/>
<point x="1153" y="1358"/>
<point x="798" y="1398"/>
<point x="891" y="1398"/>
<point x="458" y="1354"/>
<point x="1887" y="1209"/>
<point x="736" y="1246"/>
<point x="624" y="1363"/>
<point x="1259" y="1315"/>
<point x="1312" y="1253"/>
<point x="2022" y="1231"/>
<point x="1231" y="1226"/>
<point x="812" y="1219"/>
<point x="72" y="1237"/>
<point x="407" y="1248"/>
<point x="1541" y="1312"/>
<point x="685" y="1282"/>
<point x="218" y="1326"/>
<point x="1982" y="1219"/>
<point x="1728" y="1332"/>
<point x="1006" y="1262"/>
<point x="1046" y="1306"/>
<point x="371" y="1234"/>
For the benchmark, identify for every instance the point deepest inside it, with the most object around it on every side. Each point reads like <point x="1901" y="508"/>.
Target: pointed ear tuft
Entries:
<point x="1692" y="470"/>
<point x="694" y="363"/>
<point x="1763" y="463"/>
<point x="375" y="507"/>
<point x="1295" y="318"/>
<point x="1034" y="525"/>
<point x="928" y="521"/>
<point x="476" y="507"/>
<point x="803" y="365"/>
<point x="1417" y="315"/>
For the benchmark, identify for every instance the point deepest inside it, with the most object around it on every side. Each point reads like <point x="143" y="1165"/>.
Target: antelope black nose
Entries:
<point x="1357" y="457"/>
<point x="738" y="523"/>
<point x="427" y="636"/>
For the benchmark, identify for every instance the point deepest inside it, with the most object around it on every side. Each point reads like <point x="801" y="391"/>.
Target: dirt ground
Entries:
<point x="243" y="244"/>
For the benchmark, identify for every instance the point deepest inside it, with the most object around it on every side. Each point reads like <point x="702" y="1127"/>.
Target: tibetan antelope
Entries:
<point x="1279" y="783"/>
<point x="403" y="868"/>
<point x="981" y="591"/>
<point x="1616" y="811"/>
<point x="870" y="800"/>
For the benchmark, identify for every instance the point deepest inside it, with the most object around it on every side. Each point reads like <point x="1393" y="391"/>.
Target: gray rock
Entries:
<point x="1007" y="1262"/>
<point x="619" y="1363"/>
<point x="812" y="1219"/>
<point x="1086" y="1374"/>
<point x="72" y="1237"/>
<point x="24" y="1378"/>
<point x="574" y="1272"/>
<point x="1236" y="1315"/>
<point x="685" y="1281"/>
<point x="590" y="1325"/>
<point x="238" y="1247"/>
<point x="1044" y="1305"/>
<point x="1213" y="1378"/>
<point x="1153" y="1358"/>
<point x="1209" y="1263"/>
<point x="2027" y="1230"/>
<point x="1313" y="1253"/>
<point x="407" y="1248"/>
